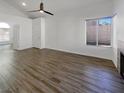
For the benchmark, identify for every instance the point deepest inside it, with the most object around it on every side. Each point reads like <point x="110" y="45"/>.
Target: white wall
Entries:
<point x="115" y="47"/>
<point x="38" y="30"/>
<point x="119" y="7"/>
<point x="25" y="33"/>
<point x="51" y="32"/>
<point x="43" y="33"/>
<point x="118" y="28"/>
<point x="7" y="9"/>
<point x="13" y="16"/>
<point x="36" y="33"/>
<point x="16" y="36"/>
<point x="66" y="31"/>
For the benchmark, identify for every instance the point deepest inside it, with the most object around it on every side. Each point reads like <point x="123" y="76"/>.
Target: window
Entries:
<point x="4" y="25"/>
<point x="99" y="31"/>
<point x="4" y="35"/>
<point x="4" y="32"/>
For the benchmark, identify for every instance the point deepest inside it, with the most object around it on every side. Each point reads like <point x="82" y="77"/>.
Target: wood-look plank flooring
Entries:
<point x="49" y="71"/>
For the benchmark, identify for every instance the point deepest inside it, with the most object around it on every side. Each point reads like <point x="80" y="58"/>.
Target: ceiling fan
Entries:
<point x="41" y="9"/>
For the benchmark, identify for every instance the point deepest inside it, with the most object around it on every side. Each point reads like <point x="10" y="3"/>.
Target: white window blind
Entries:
<point x="99" y="31"/>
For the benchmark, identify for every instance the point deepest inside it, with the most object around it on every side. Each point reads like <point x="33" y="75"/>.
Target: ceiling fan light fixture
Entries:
<point x="41" y="11"/>
<point x="24" y="4"/>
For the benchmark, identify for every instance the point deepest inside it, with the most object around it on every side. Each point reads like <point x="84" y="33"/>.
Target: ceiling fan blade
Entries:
<point x="33" y="11"/>
<point x="48" y="12"/>
<point x="41" y="6"/>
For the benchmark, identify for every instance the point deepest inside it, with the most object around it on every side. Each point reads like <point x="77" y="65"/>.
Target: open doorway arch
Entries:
<point x="22" y="30"/>
<point x="9" y="35"/>
<point x="5" y="32"/>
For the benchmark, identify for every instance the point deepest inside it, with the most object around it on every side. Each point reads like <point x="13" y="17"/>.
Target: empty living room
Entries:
<point x="61" y="46"/>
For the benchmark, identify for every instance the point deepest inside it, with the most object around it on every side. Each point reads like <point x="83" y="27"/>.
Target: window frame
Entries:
<point x="97" y="45"/>
<point x="3" y="39"/>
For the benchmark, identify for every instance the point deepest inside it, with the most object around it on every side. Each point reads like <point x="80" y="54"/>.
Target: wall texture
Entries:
<point x="38" y="33"/>
<point x="7" y="9"/>
<point x="118" y="27"/>
<point x="25" y="29"/>
<point x="66" y="31"/>
<point x="12" y="16"/>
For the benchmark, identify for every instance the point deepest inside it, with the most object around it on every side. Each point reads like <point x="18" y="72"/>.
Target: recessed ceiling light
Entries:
<point x="41" y="11"/>
<point x="23" y="3"/>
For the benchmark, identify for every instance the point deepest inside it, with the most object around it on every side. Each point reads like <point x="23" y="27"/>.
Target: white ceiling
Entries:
<point x="53" y="6"/>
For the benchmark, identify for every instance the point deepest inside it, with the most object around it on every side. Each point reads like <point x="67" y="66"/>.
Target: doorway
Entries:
<point x="9" y="35"/>
<point x="5" y="35"/>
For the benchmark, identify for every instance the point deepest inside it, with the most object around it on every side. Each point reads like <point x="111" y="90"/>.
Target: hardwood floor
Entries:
<point x="49" y="71"/>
